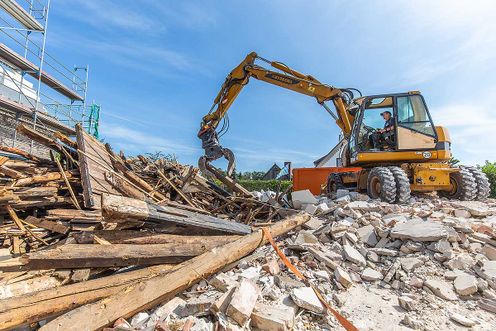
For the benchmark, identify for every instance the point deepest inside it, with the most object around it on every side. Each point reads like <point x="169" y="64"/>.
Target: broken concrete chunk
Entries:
<point x="367" y="235"/>
<point x="489" y="251"/>
<point x="139" y="320"/>
<point x="243" y="301"/>
<point x="371" y="275"/>
<point x="392" y="219"/>
<point x="222" y="282"/>
<point x="488" y="304"/>
<point x="351" y="254"/>
<point x="442" y="289"/>
<point x="272" y="318"/>
<point x="310" y="208"/>
<point x="488" y="271"/>
<point x="465" y="284"/>
<point x="305" y="298"/>
<point x="419" y="231"/>
<point x="322" y="274"/>
<point x="302" y="197"/>
<point x="162" y="312"/>
<point x="313" y="224"/>
<point x="220" y="305"/>
<point x="195" y="306"/>
<point x="287" y="282"/>
<point x="384" y="251"/>
<point x="272" y="267"/>
<point x="463" y="320"/>
<point x="304" y="238"/>
<point x="406" y="303"/>
<point x="342" y="193"/>
<point x="475" y="208"/>
<point x="410" y="263"/>
<point x="343" y="277"/>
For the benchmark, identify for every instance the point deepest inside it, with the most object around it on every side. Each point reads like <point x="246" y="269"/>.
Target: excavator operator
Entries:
<point x="384" y="137"/>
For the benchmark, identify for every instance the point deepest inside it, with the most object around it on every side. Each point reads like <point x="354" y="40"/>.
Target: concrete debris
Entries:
<point x="425" y="265"/>
<point x="463" y="320"/>
<point x="465" y="284"/>
<point x="343" y="277"/>
<point x="243" y="301"/>
<point x="442" y="289"/>
<point x="419" y="230"/>
<point x="406" y="302"/>
<point x="305" y="297"/>
<point x="353" y="255"/>
<point x="272" y="318"/>
<point x="371" y="275"/>
<point x="299" y="198"/>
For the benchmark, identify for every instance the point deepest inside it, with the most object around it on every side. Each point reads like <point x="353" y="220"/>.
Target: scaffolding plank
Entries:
<point x="22" y="63"/>
<point x="21" y="15"/>
<point x="15" y="107"/>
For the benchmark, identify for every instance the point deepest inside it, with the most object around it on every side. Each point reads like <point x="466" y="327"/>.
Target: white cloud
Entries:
<point x="472" y="129"/>
<point x="134" y="141"/>
<point x="104" y="14"/>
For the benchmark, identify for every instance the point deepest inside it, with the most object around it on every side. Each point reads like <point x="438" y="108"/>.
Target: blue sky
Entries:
<point x="155" y="67"/>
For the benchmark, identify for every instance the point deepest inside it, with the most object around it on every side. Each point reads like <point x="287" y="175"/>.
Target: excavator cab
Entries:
<point x="410" y="129"/>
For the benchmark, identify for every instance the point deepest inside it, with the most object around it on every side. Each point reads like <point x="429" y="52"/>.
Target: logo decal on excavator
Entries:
<point x="281" y="78"/>
<point x="426" y="155"/>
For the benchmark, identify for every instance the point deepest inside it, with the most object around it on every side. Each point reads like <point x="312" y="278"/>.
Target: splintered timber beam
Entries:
<point x="229" y="182"/>
<point x="145" y="238"/>
<point x="116" y="255"/>
<point x="118" y="207"/>
<point x="147" y="294"/>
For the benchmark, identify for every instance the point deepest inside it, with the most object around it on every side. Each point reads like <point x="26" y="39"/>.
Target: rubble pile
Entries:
<point x="89" y="222"/>
<point x="148" y="244"/>
<point x="427" y="265"/>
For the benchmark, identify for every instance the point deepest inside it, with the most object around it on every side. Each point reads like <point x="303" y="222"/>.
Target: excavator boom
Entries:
<point x="286" y="78"/>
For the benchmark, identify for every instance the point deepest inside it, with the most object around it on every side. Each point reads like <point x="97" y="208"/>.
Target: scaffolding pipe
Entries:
<point x="42" y="58"/>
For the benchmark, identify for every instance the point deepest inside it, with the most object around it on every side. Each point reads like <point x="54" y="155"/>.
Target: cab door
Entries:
<point x="414" y="127"/>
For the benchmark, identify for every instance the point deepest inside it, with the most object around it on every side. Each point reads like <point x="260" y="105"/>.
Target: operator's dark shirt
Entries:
<point x="389" y="122"/>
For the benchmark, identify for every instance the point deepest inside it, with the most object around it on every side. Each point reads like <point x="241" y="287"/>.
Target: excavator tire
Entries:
<point x="334" y="183"/>
<point x="381" y="184"/>
<point x="402" y="185"/>
<point x="464" y="185"/>
<point x="483" y="186"/>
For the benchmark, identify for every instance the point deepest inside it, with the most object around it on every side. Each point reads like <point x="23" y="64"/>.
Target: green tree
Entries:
<point x="490" y="170"/>
<point x="453" y="162"/>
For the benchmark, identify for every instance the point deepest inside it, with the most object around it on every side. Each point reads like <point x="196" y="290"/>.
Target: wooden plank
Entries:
<point x="66" y="180"/>
<point x="229" y="182"/>
<point x="69" y="214"/>
<point x="145" y="238"/>
<point x="117" y="207"/>
<point x="149" y="293"/>
<point x="47" y="225"/>
<point x="41" y="305"/>
<point x="116" y="255"/>
<point x="19" y="152"/>
<point x="48" y="177"/>
<point x="32" y="192"/>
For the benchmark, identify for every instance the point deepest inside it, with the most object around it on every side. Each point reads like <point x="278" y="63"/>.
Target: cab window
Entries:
<point x="413" y="115"/>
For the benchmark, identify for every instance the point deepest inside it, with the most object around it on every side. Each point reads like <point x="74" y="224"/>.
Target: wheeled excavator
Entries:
<point x="413" y="156"/>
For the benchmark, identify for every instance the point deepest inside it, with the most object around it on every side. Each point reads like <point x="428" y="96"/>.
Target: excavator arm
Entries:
<point x="286" y="78"/>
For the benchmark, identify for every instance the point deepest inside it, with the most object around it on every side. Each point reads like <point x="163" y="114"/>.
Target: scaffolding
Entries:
<point x="32" y="81"/>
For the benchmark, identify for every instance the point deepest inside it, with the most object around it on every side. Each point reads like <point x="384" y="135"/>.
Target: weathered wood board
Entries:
<point x="94" y="162"/>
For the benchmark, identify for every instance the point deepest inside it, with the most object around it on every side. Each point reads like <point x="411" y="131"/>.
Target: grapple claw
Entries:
<point x="213" y="151"/>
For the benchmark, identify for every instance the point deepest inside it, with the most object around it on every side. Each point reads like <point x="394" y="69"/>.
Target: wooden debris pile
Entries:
<point x="87" y="217"/>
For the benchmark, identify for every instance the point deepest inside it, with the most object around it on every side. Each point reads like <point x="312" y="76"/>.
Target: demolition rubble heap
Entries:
<point x="427" y="265"/>
<point x="92" y="240"/>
